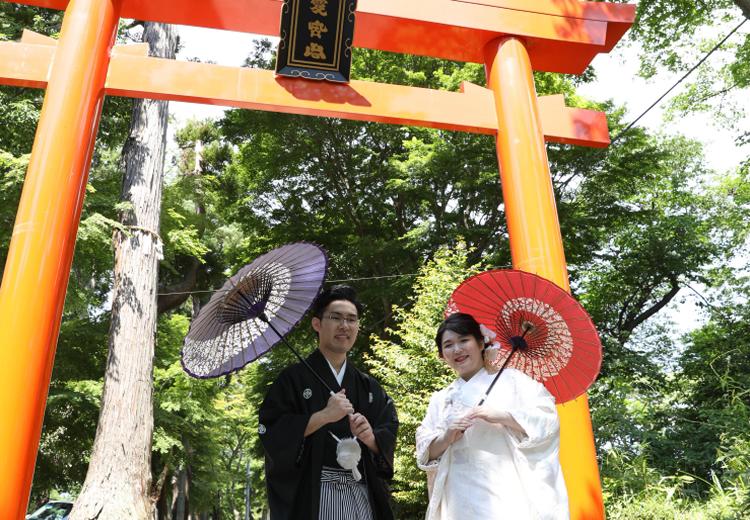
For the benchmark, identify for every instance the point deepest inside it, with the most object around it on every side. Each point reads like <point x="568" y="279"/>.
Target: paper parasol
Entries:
<point x="543" y="331"/>
<point x="254" y="310"/>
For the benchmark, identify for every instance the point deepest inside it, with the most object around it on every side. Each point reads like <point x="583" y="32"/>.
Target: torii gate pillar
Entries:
<point x="37" y="269"/>
<point x="535" y="241"/>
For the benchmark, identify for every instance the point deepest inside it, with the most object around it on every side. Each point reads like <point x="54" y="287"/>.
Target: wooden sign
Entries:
<point x="316" y="39"/>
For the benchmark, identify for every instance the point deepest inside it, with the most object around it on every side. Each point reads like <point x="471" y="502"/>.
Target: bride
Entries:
<point x="495" y="461"/>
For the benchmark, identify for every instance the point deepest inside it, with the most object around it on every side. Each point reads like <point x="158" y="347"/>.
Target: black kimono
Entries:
<point x="294" y="462"/>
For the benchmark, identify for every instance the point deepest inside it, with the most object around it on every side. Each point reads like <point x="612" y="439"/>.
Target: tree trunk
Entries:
<point x="163" y="509"/>
<point x="181" y="496"/>
<point x="118" y="482"/>
<point x="158" y="489"/>
<point x="745" y="6"/>
<point x="248" y="491"/>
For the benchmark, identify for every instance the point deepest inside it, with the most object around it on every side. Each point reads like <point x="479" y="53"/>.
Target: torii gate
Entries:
<point x="511" y="37"/>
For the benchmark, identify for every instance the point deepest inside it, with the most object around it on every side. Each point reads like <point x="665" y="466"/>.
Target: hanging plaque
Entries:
<point x="316" y="39"/>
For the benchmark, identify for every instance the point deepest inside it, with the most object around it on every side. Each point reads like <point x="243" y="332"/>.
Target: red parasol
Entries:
<point x="543" y="331"/>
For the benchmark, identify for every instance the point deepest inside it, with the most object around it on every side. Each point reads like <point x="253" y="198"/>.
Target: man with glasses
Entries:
<point x="302" y="426"/>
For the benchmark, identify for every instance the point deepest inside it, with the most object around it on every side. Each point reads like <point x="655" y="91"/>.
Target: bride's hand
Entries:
<point x="483" y="413"/>
<point x="456" y="429"/>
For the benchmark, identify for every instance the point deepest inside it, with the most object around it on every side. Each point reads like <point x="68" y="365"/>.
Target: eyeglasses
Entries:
<point x="338" y="319"/>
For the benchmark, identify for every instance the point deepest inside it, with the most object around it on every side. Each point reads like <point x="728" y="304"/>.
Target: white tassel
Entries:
<point x="348" y="454"/>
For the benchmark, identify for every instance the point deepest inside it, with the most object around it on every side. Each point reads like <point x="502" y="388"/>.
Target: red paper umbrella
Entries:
<point x="542" y="330"/>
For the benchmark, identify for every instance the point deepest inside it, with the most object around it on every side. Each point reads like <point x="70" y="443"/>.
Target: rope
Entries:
<point x="343" y="280"/>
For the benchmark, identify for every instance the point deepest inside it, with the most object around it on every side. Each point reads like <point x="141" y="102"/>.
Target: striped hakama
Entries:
<point x="342" y="497"/>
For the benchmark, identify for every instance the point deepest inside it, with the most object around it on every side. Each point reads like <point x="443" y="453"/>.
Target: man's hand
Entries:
<point x="338" y="407"/>
<point x="361" y="429"/>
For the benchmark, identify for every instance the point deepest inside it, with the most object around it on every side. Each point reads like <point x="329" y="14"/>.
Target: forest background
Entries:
<point x="406" y="213"/>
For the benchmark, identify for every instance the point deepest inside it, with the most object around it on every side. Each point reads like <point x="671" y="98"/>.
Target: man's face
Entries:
<point x="337" y="329"/>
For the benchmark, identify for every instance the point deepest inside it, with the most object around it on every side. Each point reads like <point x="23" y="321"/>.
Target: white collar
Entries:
<point x="481" y="373"/>
<point x="469" y="392"/>
<point x="340" y="374"/>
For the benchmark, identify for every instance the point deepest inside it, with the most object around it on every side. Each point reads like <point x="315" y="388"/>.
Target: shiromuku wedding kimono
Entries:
<point x="493" y="472"/>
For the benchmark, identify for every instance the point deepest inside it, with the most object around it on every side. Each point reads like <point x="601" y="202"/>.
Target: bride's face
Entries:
<point x="462" y="353"/>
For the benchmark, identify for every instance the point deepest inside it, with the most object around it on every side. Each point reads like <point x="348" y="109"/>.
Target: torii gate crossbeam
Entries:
<point x="511" y="37"/>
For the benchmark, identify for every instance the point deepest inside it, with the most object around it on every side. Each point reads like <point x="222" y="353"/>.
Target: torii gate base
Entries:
<point x="509" y="36"/>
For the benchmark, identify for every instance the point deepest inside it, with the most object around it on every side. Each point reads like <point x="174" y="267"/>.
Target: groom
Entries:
<point x="300" y="422"/>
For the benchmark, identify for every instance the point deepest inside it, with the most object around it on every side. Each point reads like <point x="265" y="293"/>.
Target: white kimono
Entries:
<point x="493" y="472"/>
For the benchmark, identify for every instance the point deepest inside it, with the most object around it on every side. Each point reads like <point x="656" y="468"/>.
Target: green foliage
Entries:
<point x="14" y="18"/>
<point x="656" y="225"/>
<point x="204" y="427"/>
<point x="186" y="241"/>
<point x="665" y="27"/>
<point x="716" y="363"/>
<point x="19" y="108"/>
<point x="635" y="491"/>
<point x="640" y="221"/>
<point x="192" y="224"/>
<point x="72" y="406"/>
<point x="407" y="364"/>
<point x="12" y="171"/>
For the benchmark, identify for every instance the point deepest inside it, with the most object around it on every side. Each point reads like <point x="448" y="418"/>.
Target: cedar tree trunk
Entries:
<point x="118" y="481"/>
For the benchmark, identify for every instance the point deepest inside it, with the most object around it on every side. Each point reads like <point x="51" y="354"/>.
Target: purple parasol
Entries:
<point x="254" y="310"/>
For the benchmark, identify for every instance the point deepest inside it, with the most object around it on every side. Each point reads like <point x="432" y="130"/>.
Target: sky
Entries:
<point x="220" y="47"/>
<point x="617" y="79"/>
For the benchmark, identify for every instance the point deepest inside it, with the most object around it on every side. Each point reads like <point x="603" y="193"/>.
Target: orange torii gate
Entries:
<point x="511" y="37"/>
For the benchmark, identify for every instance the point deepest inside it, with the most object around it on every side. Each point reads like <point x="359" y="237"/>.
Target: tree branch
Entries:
<point x="176" y="295"/>
<point x="631" y="324"/>
<point x="711" y="95"/>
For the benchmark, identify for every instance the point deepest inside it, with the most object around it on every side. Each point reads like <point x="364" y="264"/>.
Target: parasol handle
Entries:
<point x="263" y="318"/>
<point x="484" y="397"/>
